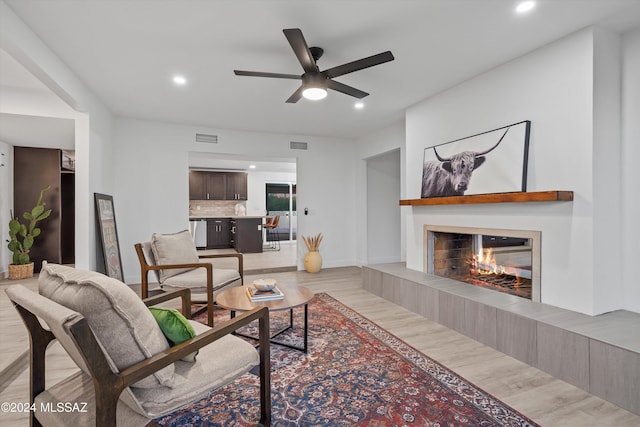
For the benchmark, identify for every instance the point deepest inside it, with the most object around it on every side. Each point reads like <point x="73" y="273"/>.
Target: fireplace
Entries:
<point x="506" y="261"/>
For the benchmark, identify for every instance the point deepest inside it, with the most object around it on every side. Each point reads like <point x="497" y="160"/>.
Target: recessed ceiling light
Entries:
<point x="252" y="166"/>
<point x="525" y="6"/>
<point x="358" y="105"/>
<point x="179" y="80"/>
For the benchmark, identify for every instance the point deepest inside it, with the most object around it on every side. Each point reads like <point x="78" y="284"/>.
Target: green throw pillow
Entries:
<point x="175" y="327"/>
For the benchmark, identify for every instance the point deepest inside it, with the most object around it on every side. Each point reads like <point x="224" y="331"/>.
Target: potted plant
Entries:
<point x="22" y="236"/>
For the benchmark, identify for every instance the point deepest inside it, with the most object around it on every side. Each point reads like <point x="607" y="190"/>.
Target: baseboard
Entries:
<point x="270" y="270"/>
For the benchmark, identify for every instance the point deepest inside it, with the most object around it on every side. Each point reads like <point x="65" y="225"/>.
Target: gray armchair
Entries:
<point x="128" y="373"/>
<point x="175" y="261"/>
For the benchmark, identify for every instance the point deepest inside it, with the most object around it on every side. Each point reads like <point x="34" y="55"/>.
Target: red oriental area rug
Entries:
<point x="355" y="373"/>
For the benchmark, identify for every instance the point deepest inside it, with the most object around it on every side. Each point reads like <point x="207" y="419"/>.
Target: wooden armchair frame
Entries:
<point x="145" y="268"/>
<point x="108" y="386"/>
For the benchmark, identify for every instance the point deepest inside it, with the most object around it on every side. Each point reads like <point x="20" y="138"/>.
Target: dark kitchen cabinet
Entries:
<point x="236" y="186"/>
<point x="197" y="186"/>
<point x="217" y="185"/>
<point x="246" y="235"/>
<point x="218" y="233"/>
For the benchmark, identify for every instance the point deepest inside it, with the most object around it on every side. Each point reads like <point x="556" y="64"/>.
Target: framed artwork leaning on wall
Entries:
<point x="106" y="219"/>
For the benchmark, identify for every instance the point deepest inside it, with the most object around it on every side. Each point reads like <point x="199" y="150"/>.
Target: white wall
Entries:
<point x="606" y="177"/>
<point x="379" y="142"/>
<point x="555" y="88"/>
<point x="630" y="170"/>
<point x="383" y="210"/>
<point x="6" y="202"/>
<point x="151" y="193"/>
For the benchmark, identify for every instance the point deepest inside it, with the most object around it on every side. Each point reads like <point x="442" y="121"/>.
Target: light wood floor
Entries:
<point x="546" y="400"/>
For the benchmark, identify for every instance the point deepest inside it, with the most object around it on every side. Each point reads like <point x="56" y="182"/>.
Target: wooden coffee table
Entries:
<point x="236" y="299"/>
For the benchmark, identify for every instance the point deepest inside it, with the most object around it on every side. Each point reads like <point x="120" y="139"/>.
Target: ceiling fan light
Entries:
<point x="314" y="93"/>
<point x="525" y="6"/>
<point x="179" y="80"/>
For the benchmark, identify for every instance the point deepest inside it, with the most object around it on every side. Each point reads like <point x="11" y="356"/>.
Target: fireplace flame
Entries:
<point x="484" y="263"/>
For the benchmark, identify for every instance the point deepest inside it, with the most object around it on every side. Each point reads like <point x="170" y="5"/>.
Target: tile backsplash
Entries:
<point x="212" y="208"/>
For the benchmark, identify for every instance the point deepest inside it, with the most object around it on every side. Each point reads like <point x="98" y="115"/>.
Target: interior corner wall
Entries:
<point x="6" y="202"/>
<point x="553" y="87"/>
<point x="380" y="142"/>
<point x="152" y="184"/>
<point x="383" y="210"/>
<point x="94" y="124"/>
<point x="607" y="172"/>
<point x="630" y="170"/>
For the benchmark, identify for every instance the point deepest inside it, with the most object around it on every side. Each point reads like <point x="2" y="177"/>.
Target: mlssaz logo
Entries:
<point x="63" y="407"/>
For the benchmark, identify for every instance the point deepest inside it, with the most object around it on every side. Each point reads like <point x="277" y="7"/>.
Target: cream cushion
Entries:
<point x="120" y="321"/>
<point x="218" y="363"/>
<point x="196" y="280"/>
<point x="78" y="390"/>
<point x="176" y="248"/>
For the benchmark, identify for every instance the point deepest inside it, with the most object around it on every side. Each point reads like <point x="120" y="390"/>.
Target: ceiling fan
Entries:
<point x="315" y="82"/>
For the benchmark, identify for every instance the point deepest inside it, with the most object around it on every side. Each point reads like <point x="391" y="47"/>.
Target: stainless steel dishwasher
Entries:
<point x="198" y="228"/>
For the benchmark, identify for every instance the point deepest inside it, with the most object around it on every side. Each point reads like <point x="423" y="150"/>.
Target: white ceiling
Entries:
<point x="127" y="51"/>
<point x="21" y="123"/>
<point x="35" y="131"/>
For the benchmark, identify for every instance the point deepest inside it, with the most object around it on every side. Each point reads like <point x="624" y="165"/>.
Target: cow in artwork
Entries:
<point x="451" y="176"/>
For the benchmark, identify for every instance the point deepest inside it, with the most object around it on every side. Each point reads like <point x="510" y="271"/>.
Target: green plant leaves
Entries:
<point x="37" y="211"/>
<point x="27" y="243"/>
<point x="14" y="226"/>
<point x="44" y="215"/>
<point x="17" y="230"/>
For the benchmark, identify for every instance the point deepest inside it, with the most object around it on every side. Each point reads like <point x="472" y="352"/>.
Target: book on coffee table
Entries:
<point x="255" y="295"/>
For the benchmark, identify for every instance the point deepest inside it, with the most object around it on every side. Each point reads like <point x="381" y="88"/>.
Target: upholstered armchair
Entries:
<point x="175" y="261"/>
<point x="128" y="374"/>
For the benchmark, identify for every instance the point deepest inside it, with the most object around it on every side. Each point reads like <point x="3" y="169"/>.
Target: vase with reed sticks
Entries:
<point x="313" y="260"/>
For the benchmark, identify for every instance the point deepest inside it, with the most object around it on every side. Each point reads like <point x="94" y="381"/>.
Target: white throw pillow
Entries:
<point x="176" y="248"/>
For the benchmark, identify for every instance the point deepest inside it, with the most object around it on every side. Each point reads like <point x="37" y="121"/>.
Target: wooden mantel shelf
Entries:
<point x="517" y="197"/>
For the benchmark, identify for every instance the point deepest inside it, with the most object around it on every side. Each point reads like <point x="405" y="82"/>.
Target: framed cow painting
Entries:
<point x="494" y="161"/>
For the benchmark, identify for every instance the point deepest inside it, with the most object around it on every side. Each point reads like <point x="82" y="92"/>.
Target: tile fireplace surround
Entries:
<point x="430" y="232"/>
<point x="599" y="354"/>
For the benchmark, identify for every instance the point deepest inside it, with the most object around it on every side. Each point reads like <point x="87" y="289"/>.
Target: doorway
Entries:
<point x="281" y="201"/>
<point x="383" y="211"/>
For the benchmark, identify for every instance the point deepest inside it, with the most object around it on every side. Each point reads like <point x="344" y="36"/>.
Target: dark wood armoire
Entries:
<point x="34" y="169"/>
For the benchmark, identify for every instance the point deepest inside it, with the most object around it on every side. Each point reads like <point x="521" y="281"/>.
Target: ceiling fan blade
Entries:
<point x="360" y="64"/>
<point x="261" y="74"/>
<point x="341" y="87"/>
<point x="295" y="97"/>
<point x="300" y="48"/>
